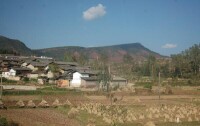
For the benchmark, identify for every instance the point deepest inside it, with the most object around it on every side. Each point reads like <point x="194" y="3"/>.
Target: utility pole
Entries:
<point x="159" y="86"/>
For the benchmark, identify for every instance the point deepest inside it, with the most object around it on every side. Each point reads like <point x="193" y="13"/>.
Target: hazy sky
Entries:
<point x="164" y="26"/>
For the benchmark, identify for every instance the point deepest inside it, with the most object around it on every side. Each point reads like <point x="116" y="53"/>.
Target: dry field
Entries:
<point x="90" y="110"/>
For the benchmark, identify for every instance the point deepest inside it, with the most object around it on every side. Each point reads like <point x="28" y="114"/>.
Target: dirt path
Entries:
<point x="38" y="117"/>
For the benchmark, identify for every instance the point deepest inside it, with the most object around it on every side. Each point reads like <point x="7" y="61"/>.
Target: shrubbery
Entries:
<point x="25" y="79"/>
<point x="148" y="86"/>
<point x="5" y="122"/>
<point x="8" y="81"/>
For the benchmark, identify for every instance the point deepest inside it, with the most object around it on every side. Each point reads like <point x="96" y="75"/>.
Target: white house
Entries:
<point x="76" y="81"/>
<point x="10" y="73"/>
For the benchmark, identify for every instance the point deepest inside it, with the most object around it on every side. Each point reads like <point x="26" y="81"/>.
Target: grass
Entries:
<point x="63" y="109"/>
<point x="83" y="118"/>
<point x="49" y="90"/>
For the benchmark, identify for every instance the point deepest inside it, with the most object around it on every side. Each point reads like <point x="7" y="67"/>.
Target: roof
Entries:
<point x="82" y="68"/>
<point x="38" y="72"/>
<point x="66" y="63"/>
<point x="87" y="72"/>
<point x="38" y="64"/>
<point x="45" y="61"/>
<point x="89" y="78"/>
<point x="66" y="67"/>
<point x="21" y="69"/>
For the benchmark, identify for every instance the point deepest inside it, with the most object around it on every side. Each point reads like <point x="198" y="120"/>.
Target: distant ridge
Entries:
<point x="14" y="46"/>
<point x="115" y="53"/>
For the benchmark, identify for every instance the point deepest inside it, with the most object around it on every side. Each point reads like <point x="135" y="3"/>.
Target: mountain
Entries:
<point x="115" y="53"/>
<point x="15" y="46"/>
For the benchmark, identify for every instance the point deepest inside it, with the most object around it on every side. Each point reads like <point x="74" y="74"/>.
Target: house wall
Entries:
<point x="5" y="74"/>
<point x="76" y="81"/>
<point x="12" y="72"/>
<point x="118" y="83"/>
<point x="9" y="74"/>
<point x="32" y="67"/>
<point x="85" y="75"/>
<point x="13" y="78"/>
<point x="24" y="64"/>
<point x="62" y="83"/>
<point x="33" y="76"/>
<point x="88" y="84"/>
<point x="50" y="74"/>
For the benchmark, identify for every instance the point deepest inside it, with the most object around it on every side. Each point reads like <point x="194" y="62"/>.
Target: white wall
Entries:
<point x="5" y="74"/>
<point x="11" y="73"/>
<point x="33" y="76"/>
<point x="32" y="67"/>
<point x="50" y="74"/>
<point x="76" y="81"/>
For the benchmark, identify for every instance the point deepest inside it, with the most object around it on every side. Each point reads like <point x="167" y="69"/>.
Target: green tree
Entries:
<point x="187" y="63"/>
<point x="69" y="57"/>
<point x="194" y="53"/>
<point x="54" y="68"/>
<point x="104" y="74"/>
<point x="152" y="66"/>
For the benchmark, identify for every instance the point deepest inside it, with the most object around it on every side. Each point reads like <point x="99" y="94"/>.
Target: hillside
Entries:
<point x="114" y="53"/>
<point x="11" y="45"/>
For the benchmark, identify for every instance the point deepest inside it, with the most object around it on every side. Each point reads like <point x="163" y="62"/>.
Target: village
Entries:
<point x="46" y="70"/>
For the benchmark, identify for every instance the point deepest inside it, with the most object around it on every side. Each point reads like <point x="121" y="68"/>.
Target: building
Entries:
<point x="78" y="75"/>
<point x="118" y="81"/>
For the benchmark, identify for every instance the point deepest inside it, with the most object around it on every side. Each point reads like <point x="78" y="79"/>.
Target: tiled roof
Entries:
<point x="21" y="69"/>
<point x="66" y="63"/>
<point x="38" y="64"/>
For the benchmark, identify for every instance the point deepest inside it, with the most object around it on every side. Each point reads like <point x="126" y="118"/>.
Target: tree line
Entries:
<point x="187" y="63"/>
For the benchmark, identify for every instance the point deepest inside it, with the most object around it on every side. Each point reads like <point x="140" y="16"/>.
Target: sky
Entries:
<point x="164" y="26"/>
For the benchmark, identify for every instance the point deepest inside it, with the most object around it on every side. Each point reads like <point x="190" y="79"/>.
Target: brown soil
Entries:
<point x="38" y="117"/>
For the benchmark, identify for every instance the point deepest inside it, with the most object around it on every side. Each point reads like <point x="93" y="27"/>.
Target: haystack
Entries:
<point x="31" y="104"/>
<point x="20" y="104"/>
<point x="43" y="104"/>
<point x="56" y="103"/>
<point x="68" y="103"/>
<point x="73" y="112"/>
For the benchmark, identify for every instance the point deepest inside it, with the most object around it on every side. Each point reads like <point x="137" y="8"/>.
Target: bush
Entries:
<point x="25" y="79"/>
<point x="3" y="121"/>
<point x="148" y="86"/>
<point x="8" y="81"/>
<point x="115" y="87"/>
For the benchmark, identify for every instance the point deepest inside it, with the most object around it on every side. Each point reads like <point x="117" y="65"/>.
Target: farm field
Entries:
<point x="88" y="109"/>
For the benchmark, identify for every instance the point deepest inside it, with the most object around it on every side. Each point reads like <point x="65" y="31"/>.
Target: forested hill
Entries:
<point x="114" y="53"/>
<point x="13" y="46"/>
